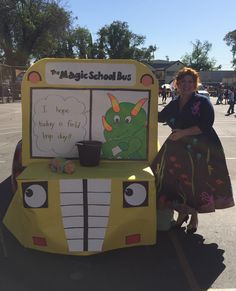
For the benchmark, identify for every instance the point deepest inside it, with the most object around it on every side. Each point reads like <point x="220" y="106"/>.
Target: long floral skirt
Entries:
<point x="193" y="172"/>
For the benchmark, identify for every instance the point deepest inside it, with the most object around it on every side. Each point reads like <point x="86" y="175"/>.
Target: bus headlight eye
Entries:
<point x="135" y="194"/>
<point x="35" y="195"/>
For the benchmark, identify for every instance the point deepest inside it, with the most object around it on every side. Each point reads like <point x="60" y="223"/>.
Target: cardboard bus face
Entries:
<point x="96" y="208"/>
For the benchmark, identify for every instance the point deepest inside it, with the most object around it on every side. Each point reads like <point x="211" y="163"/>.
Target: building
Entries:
<point x="230" y="81"/>
<point x="164" y="70"/>
<point x="216" y="80"/>
<point x="216" y="76"/>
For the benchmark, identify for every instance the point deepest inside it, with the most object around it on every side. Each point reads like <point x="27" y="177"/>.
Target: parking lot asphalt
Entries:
<point x="177" y="261"/>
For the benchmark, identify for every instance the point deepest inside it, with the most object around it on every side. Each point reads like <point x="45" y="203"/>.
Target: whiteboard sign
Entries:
<point x="90" y="74"/>
<point x="59" y="120"/>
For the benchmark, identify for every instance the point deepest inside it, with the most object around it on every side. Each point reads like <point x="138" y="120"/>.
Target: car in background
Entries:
<point x="5" y="93"/>
<point x="16" y="85"/>
<point x="202" y="91"/>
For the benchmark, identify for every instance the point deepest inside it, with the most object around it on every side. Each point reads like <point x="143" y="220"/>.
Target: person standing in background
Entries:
<point x="231" y="102"/>
<point x="226" y="95"/>
<point x="164" y="95"/>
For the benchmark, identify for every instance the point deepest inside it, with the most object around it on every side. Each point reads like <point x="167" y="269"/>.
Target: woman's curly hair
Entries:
<point x="190" y="72"/>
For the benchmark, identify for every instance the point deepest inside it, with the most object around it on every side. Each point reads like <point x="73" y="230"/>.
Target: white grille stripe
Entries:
<point x="71" y="185"/>
<point x="96" y="232"/>
<point x="71" y="198"/>
<point x="71" y="210"/>
<point x="74" y="233"/>
<point x="73" y="222"/>
<point x="75" y="245"/>
<point x="98" y="210"/>
<point x="99" y="198"/>
<point x="99" y="185"/>
<point x="95" y="245"/>
<point x="97" y="221"/>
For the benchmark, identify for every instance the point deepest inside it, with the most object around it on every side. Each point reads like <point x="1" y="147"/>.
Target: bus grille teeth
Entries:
<point x="85" y="206"/>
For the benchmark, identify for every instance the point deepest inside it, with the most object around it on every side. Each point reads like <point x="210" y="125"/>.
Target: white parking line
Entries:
<point x="226" y="121"/>
<point x="226" y="136"/>
<point x="5" y="133"/>
<point x="189" y="275"/>
<point x="14" y="127"/>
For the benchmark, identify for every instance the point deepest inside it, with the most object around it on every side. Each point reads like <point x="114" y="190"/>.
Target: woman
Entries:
<point x="191" y="170"/>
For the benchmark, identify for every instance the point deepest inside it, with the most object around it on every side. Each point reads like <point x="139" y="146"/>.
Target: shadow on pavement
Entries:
<point x="204" y="261"/>
<point x="168" y="265"/>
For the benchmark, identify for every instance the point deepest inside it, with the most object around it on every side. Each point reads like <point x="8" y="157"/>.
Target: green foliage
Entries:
<point x="230" y="39"/>
<point x="116" y="41"/>
<point x="34" y="29"/>
<point x="30" y="29"/>
<point x="83" y="43"/>
<point x="199" y="59"/>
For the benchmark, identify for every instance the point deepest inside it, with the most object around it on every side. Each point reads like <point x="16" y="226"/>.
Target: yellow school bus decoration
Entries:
<point x="94" y="209"/>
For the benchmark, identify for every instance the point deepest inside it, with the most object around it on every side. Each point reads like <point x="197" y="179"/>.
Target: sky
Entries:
<point x="170" y="25"/>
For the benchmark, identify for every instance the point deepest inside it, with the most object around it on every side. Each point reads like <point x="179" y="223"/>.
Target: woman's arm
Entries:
<point x="166" y="112"/>
<point x="162" y="115"/>
<point x="179" y="133"/>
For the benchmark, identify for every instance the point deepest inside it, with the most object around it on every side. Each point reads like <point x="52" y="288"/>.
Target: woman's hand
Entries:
<point x="176" y="134"/>
<point x="179" y="133"/>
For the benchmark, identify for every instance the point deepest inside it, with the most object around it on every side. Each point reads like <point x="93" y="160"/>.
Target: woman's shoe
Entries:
<point x="180" y="222"/>
<point x="192" y="226"/>
<point x="191" y="229"/>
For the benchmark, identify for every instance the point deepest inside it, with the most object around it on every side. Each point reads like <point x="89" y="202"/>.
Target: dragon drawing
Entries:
<point x="125" y="130"/>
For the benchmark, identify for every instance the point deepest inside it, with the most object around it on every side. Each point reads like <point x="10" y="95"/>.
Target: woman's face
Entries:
<point x="186" y="85"/>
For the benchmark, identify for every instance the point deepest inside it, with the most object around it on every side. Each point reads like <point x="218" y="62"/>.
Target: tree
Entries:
<point x="199" y="59"/>
<point x="230" y="39"/>
<point x="30" y="28"/>
<point x="116" y="41"/>
<point x="73" y="42"/>
<point x="100" y="44"/>
<point x="83" y="43"/>
<point x="34" y="29"/>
